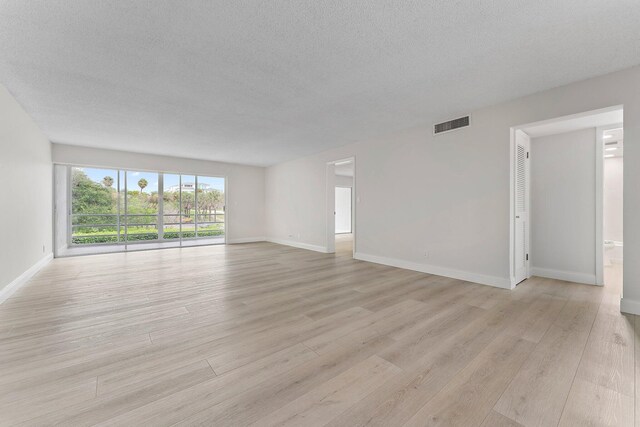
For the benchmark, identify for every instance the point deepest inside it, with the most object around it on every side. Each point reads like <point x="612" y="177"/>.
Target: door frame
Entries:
<point x="122" y="184"/>
<point x="599" y="185"/>
<point x="330" y="190"/>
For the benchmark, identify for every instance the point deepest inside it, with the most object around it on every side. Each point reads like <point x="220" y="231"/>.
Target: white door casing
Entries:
<point x="522" y="209"/>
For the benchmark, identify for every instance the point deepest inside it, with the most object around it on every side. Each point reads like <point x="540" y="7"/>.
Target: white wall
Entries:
<point x="563" y="205"/>
<point x="245" y="184"/>
<point x="344" y="181"/>
<point x="451" y="193"/>
<point x="612" y="199"/>
<point x="26" y="177"/>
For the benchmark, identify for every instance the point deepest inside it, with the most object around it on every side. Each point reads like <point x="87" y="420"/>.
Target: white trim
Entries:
<point x="8" y="290"/>
<point x="246" y="240"/>
<point x="569" y="276"/>
<point x="512" y="208"/>
<point x="571" y="116"/>
<point x="300" y="245"/>
<point x="599" y="207"/>
<point x="629" y="306"/>
<point x="330" y="207"/>
<point x="498" y="282"/>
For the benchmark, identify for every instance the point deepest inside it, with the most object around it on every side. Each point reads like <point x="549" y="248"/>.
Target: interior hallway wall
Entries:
<point x="344" y="181"/>
<point x="27" y="182"/>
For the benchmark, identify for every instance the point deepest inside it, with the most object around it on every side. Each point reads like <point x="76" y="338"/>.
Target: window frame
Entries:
<point x="122" y="233"/>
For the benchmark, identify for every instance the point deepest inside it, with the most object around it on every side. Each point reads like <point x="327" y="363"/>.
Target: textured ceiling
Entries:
<point x="259" y="82"/>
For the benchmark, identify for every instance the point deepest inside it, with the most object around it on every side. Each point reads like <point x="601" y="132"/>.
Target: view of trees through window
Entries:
<point x="115" y="206"/>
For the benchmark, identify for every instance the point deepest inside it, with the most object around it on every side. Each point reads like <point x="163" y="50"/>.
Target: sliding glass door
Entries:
<point x="171" y="208"/>
<point x="95" y="206"/>
<point x="141" y="206"/>
<point x="209" y="207"/>
<point x="118" y="207"/>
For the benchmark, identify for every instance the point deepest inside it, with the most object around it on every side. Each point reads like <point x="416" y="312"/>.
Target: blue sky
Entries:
<point x="152" y="179"/>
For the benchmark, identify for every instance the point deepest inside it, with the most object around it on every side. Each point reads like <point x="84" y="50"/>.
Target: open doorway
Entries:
<point x="344" y="171"/>
<point x="566" y="199"/>
<point x="341" y="202"/>
<point x="612" y="144"/>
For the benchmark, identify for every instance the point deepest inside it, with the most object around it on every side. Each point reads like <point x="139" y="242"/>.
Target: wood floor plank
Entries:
<point x="100" y="408"/>
<point x="471" y="394"/>
<point x="328" y="400"/>
<point x="266" y="334"/>
<point x="192" y="400"/>
<point x="404" y="396"/>
<point x="590" y="404"/>
<point x="254" y="404"/>
<point x="537" y="394"/>
<point x="495" y="419"/>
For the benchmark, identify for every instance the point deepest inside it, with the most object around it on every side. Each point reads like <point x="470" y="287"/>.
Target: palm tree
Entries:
<point x="142" y="183"/>
<point x="107" y="181"/>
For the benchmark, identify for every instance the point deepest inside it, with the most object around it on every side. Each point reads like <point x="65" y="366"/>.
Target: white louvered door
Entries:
<point x="521" y="255"/>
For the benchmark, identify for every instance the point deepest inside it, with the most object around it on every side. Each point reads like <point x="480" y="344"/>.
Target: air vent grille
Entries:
<point x="451" y="125"/>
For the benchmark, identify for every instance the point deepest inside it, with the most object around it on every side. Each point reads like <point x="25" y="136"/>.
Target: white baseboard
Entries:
<point x="498" y="282"/>
<point x="246" y="240"/>
<point x="569" y="276"/>
<point x="630" y="306"/>
<point x="298" y="244"/>
<point x="8" y="290"/>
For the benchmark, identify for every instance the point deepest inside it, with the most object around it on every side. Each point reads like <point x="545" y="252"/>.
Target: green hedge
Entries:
<point x="87" y="240"/>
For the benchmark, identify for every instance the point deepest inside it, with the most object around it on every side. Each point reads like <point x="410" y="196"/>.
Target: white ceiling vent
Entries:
<point x="454" y="124"/>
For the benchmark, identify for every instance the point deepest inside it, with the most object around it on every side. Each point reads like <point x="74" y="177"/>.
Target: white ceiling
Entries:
<point x="259" y="82"/>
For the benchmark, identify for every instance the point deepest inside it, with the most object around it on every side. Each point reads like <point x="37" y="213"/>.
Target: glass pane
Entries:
<point x="94" y="205"/>
<point x="142" y="206"/>
<point x="171" y="206"/>
<point x="105" y="219"/>
<point x="92" y="240"/>
<point x="188" y="206"/>
<point x="210" y="206"/>
<point x="210" y="230"/>
<point x="141" y="220"/>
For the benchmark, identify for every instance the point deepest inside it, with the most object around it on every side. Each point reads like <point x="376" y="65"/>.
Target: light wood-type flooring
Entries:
<point x="262" y="334"/>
